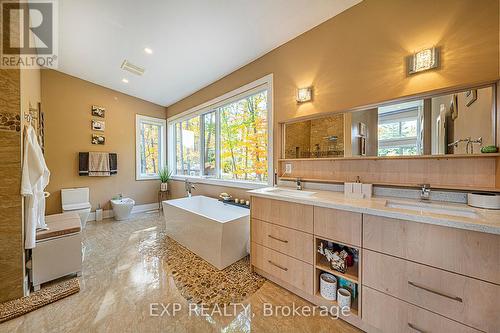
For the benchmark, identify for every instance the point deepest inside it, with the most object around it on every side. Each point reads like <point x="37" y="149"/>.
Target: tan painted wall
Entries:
<point x="67" y="103"/>
<point x="370" y="119"/>
<point x="358" y="57"/>
<point x="474" y="120"/>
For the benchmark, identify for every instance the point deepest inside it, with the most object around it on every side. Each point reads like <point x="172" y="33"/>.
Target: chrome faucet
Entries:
<point x="469" y="142"/>
<point x="189" y="187"/>
<point x="299" y="184"/>
<point x="425" y="192"/>
<point x="472" y="142"/>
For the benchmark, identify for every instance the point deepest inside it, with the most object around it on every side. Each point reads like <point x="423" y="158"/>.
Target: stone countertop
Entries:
<point x="487" y="221"/>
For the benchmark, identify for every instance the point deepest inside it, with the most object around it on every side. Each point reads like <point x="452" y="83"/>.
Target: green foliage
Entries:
<point x="150" y="158"/>
<point x="165" y="174"/>
<point x="244" y="138"/>
<point x="243" y="141"/>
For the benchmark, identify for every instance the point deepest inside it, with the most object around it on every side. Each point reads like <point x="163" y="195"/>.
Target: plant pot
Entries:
<point x="164" y="187"/>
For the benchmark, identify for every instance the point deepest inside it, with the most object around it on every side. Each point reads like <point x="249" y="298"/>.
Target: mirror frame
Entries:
<point x="495" y="119"/>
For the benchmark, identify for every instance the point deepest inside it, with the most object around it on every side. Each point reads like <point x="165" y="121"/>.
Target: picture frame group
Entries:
<point x="98" y="125"/>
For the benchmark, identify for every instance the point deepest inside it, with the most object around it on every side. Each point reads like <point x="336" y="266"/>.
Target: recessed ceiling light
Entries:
<point x="148" y="50"/>
<point x="124" y="80"/>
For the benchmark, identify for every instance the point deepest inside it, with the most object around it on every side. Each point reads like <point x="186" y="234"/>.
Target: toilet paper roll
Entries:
<point x="344" y="298"/>
<point x="328" y="286"/>
<point x="98" y="214"/>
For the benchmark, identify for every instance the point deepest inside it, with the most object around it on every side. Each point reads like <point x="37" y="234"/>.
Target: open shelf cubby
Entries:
<point x="320" y="300"/>
<point x="352" y="274"/>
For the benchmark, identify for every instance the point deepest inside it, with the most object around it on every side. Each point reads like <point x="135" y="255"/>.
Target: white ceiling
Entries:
<point x="194" y="42"/>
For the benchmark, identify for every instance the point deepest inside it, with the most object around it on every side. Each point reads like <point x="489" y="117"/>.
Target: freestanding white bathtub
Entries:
<point x="215" y="231"/>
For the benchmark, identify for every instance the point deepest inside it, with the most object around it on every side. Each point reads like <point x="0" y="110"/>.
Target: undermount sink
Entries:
<point x="427" y="207"/>
<point x="291" y="192"/>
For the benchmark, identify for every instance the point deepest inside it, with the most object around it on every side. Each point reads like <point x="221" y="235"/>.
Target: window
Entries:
<point x="399" y="129"/>
<point x="226" y="141"/>
<point x="150" y="146"/>
<point x="187" y="138"/>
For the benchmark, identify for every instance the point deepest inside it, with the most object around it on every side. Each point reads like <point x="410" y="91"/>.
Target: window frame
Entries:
<point x="263" y="84"/>
<point x="140" y="119"/>
<point x="399" y="117"/>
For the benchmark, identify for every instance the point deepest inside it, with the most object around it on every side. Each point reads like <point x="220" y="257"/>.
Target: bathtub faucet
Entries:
<point x="188" y="186"/>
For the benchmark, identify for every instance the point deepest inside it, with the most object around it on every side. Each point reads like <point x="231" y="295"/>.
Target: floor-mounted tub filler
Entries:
<point x="215" y="231"/>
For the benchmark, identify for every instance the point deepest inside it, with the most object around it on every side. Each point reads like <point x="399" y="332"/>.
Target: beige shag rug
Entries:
<point x="200" y="282"/>
<point x="20" y="306"/>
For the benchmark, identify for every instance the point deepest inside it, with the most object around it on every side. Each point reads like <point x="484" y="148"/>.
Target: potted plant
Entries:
<point x="165" y="175"/>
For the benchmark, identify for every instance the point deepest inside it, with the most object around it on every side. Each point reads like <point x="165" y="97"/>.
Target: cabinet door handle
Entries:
<point x="278" y="239"/>
<point x="455" y="298"/>
<point x="280" y="267"/>
<point x="413" y="327"/>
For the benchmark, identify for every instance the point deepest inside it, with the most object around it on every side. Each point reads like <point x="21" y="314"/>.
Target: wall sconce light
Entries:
<point x="304" y="94"/>
<point x="423" y="60"/>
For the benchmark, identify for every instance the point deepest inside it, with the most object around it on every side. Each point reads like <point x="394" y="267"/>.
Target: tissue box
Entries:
<point x="358" y="190"/>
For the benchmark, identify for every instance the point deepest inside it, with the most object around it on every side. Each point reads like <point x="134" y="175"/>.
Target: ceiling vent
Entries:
<point x="126" y="65"/>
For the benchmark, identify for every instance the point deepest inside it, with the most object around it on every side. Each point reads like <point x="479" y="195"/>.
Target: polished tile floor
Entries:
<point x="125" y="290"/>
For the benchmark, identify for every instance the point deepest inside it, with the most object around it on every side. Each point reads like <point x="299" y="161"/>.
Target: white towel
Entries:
<point x="35" y="177"/>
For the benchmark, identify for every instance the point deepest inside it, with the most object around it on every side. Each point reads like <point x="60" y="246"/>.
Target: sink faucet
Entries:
<point x="188" y="186"/>
<point x="425" y="192"/>
<point x="471" y="142"/>
<point x="299" y="184"/>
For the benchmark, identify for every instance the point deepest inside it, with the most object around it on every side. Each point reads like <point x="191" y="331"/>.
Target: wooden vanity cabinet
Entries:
<point x="284" y="238"/>
<point x="410" y="276"/>
<point x="281" y="243"/>
<point x="294" y="243"/>
<point x="450" y="272"/>
<point x="287" y="214"/>
<point x="338" y="225"/>
<point x="471" y="253"/>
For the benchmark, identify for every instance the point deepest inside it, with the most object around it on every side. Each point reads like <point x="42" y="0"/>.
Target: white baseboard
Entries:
<point x="137" y="209"/>
<point x="145" y="208"/>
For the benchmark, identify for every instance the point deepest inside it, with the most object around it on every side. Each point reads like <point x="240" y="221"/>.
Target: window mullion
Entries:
<point x="182" y="147"/>
<point x="217" y="144"/>
<point x="172" y="148"/>
<point x="202" y="145"/>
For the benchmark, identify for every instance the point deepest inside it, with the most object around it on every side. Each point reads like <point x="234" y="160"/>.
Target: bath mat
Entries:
<point x="20" y="306"/>
<point x="200" y="282"/>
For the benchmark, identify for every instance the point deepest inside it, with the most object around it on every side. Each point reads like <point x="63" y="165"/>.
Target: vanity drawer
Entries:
<point x="283" y="267"/>
<point x="389" y="314"/>
<point x="338" y="225"/>
<point x="470" y="253"/>
<point x="291" y="242"/>
<point x="464" y="299"/>
<point x="288" y="214"/>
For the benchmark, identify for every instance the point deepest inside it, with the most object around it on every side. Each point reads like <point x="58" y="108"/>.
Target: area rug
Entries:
<point x="20" y="306"/>
<point x="200" y="282"/>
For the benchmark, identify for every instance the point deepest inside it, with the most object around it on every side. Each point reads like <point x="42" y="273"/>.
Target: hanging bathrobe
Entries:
<point x="35" y="177"/>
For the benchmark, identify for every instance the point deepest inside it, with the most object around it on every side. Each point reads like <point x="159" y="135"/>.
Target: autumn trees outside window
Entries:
<point x="150" y="146"/>
<point x="227" y="141"/>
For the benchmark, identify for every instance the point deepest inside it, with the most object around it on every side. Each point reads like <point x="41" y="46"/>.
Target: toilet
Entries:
<point x="122" y="208"/>
<point x="76" y="200"/>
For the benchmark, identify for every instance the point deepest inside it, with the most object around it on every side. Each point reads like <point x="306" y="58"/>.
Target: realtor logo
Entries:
<point x="29" y="34"/>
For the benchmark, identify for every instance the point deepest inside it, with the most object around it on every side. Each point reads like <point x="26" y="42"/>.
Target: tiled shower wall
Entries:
<point x="11" y="247"/>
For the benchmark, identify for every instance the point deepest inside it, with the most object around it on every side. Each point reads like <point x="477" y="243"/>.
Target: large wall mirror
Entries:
<point x="460" y="122"/>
